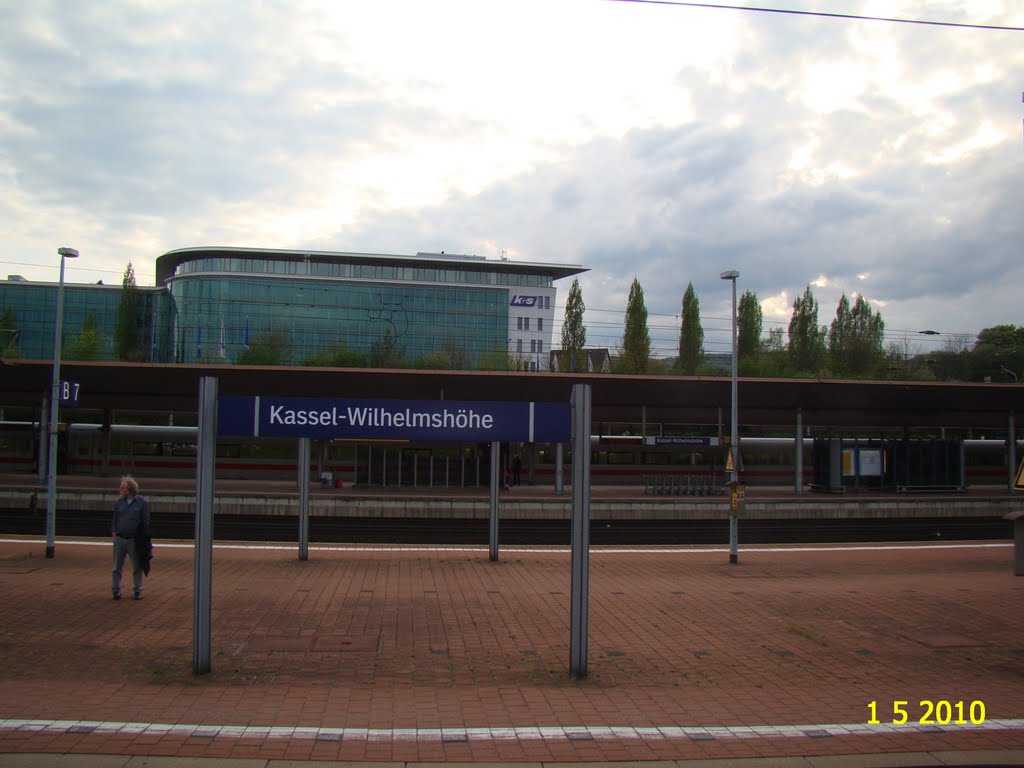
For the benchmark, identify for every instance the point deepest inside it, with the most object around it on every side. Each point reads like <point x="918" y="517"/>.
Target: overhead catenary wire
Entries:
<point x="826" y="14"/>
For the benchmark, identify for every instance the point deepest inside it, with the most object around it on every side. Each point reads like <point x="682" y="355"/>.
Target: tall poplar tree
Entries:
<point x="636" y="338"/>
<point x="574" y="333"/>
<point x="126" y="330"/>
<point x="839" y="335"/>
<point x="806" y="339"/>
<point x="691" y="334"/>
<point x="749" y="326"/>
<point x="856" y="338"/>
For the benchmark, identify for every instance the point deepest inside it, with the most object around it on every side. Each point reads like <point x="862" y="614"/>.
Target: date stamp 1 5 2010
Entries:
<point x="929" y="712"/>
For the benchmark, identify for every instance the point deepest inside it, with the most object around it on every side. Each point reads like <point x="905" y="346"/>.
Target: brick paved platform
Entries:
<point x="416" y="654"/>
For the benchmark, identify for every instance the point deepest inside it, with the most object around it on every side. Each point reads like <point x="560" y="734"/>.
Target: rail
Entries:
<point x="702" y="484"/>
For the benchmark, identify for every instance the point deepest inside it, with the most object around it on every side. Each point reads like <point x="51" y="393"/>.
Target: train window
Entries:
<point x="228" y="450"/>
<point x="270" y="450"/>
<point x="183" y="449"/>
<point x="621" y="457"/>
<point x="343" y="452"/>
<point x="147" y="449"/>
<point x="12" y="446"/>
<point x="658" y="458"/>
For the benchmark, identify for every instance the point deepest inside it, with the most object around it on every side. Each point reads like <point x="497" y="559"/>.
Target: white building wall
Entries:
<point x="531" y="318"/>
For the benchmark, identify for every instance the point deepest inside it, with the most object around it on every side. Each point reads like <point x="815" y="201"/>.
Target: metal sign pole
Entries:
<point x="495" y="480"/>
<point x="580" y="530"/>
<point x="205" y="464"/>
<point x="303" y="498"/>
<point x="1011" y="445"/>
<point x="559" y="461"/>
<point x="798" y="454"/>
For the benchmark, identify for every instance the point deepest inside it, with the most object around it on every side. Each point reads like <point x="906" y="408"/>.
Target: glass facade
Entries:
<point x="34" y="308"/>
<point x="217" y="317"/>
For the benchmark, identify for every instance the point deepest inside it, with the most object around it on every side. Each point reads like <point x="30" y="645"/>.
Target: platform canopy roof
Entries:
<point x="144" y="388"/>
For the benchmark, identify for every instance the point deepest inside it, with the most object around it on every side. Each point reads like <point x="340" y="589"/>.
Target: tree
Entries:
<point x="749" y="326"/>
<point x="126" y="331"/>
<point x="999" y="353"/>
<point x="636" y="338"/>
<point x="267" y="348"/>
<point x="806" y="339"/>
<point x="338" y="356"/>
<point x="691" y="334"/>
<point x="867" y="338"/>
<point x="88" y="346"/>
<point x="500" y="359"/>
<point x="574" y="333"/>
<point x="452" y="356"/>
<point x="385" y="352"/>
<point x="839" y="335"/>
<point x="856" y="338"/>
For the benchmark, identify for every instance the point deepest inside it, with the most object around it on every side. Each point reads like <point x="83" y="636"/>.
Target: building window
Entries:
<point x="519" y="323"/>
<point x="533" y="346"/>
<point x="540" y="323"/>
<point x="526" y="323"/>
<point x="540" y="346"/>
<point x="519" y="346"/>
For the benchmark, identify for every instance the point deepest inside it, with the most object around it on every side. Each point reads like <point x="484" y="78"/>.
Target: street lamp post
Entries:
<point x="51" y="470"/>
<point x="734" y="478"/>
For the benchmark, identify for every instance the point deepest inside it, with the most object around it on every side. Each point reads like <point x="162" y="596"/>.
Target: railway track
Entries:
<point x="518" y="532"/>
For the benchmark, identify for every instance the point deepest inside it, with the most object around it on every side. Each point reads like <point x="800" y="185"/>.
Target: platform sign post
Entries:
<point x="495" y="485"/>
<point x="578" y="619"/>
<point x="206" y="456"/>
<point x="559" y="473"/>
<point x="798" y="455"/>
<point x="1011" y="445"/>
<point x="303" y="498"/>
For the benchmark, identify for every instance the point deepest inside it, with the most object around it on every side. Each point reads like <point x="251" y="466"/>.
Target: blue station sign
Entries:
<point x="690" y="442"/>
<point x="418" y="420"/>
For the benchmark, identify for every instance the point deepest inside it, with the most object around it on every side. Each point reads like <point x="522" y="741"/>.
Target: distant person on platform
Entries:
<point x="130" y="529"/>
<point x="517" y="470"/>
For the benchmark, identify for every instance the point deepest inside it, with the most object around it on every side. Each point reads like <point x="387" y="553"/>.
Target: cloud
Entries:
<point x="660" y="142"/>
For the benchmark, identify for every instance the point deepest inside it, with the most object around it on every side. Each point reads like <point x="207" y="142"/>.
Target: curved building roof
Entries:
<point x="167" y="265"/>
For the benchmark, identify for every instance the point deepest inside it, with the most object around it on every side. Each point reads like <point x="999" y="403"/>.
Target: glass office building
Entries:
<point x="32" y="309"/>
<point x="213" y="304"/>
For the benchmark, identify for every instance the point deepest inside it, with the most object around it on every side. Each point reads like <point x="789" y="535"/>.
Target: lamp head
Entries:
<point x="69" y="253"/>
<point x="730" y="274"/>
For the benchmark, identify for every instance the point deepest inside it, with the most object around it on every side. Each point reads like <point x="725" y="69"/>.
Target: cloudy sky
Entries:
<point x="663" y="142"/>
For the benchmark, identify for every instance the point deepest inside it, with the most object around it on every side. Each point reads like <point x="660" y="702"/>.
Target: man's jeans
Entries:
<point x="124" y="547"/>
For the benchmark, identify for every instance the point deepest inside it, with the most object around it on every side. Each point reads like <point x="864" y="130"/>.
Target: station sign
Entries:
<point x="696" y="442"/>
<point x="67" y="393"/>
<point x="418" y="420"/>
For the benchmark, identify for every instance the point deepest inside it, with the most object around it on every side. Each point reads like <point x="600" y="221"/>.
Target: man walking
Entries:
<point x="131" y="520"/>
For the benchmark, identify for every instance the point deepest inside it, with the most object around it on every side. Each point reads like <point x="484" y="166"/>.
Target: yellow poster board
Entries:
<point x="1019" y="482"/>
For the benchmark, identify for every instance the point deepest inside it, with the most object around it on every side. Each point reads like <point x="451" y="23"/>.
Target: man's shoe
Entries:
<point x="117" y="595"/>
<point x="138" y="595"/>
